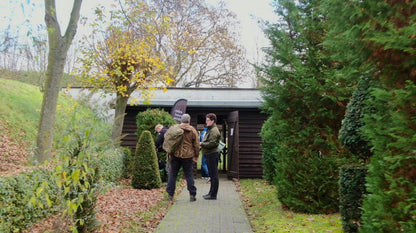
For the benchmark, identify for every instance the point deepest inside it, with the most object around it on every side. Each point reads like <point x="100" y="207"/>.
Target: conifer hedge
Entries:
<point x="382" y="37"/>
<point x="307" y="103"/>
<point x="146" y="169"/>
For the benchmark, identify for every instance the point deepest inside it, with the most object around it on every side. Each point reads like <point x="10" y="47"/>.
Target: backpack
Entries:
<point x="173" y="139"/>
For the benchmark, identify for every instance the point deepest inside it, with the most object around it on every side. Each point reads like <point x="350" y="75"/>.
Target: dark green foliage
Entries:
<point x="79" y="178"/>
<point x="385" y="32"/>
<point x="147" y="120"/>
<point x="308" y="183"/>
<point x="351" y="192"/>
<point x="307" y="103"/>
<point x="128" y="162"/>
<point x="268" y="145"/>
<point x="146" y="169"/>
<point x="350" y="133"/>
<point x="15" y="191"/>
<point x="111" y="164"/>
<point x="390" y="205"/>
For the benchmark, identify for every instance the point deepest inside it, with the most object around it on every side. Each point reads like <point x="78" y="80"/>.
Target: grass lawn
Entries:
<point x="266" y="214"/>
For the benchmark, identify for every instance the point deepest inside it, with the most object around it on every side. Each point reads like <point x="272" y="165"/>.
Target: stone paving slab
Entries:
<point x="224" y="215"/>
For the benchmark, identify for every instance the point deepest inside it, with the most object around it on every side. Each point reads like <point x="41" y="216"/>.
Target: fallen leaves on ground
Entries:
<point x="119" y="206"/>
<point x="13" y="155"/>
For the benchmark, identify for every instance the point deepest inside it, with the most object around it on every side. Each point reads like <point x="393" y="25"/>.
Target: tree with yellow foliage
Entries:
<point x="121" y="62"/>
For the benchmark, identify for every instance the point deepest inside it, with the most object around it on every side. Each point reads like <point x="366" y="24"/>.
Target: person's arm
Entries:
<point x="195" y="145"/>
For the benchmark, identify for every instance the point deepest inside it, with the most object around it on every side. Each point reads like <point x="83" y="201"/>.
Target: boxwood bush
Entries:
<point x="268" y="145"/>
<point x="146" y="169"/>
<point x="351" y="192"/>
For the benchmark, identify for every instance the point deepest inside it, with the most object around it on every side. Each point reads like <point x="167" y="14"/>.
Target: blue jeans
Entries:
<point x="175" y="165"/>
<point x="204" y="167"/>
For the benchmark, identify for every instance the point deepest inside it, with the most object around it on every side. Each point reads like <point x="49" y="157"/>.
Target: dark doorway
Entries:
<point x="233" y="145"/>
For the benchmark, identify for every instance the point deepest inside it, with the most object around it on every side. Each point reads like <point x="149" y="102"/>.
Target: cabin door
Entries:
<point x="233" y="145"/>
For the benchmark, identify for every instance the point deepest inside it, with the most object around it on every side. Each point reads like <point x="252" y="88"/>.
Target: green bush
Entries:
<point x="351" y="192"/>
<point x="111" y="164"/>
<point x="147" y="120"/>
<point x="127" y="162"/>
<point x="308" y="183"/>
<point x="352" y="179"/>
<point x="350" y="133"/>
<point x="269" y="143"/>
<point x="146" y="169"/>
<point x="15" y="192"/>
<point x="391" y="180"/>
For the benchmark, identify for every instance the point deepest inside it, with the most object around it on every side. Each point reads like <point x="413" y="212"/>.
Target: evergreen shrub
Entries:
<point x="111" y="164"/>
<point x="147" y="120"/>
<point x="16" y="213"/>
<point x="269" y="143"/>
<point x="146" y="169"/>
<point x="351" y="192"/>
<point x="352" y="137"/>
<point x="308" y="184"/>
<point x="350" y="133"/>
<point x="390" y="205"/>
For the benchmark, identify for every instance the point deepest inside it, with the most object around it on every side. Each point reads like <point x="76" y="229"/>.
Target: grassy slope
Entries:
<point x="267" y="215"/>
<point x="21" y="105"/>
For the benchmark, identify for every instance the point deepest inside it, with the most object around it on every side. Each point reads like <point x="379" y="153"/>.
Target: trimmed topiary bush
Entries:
<point x="352" y="190"/>
<point x="146" y="169"/>
<point x="269" y="142"/>
<point x="147" y="120"/>
<point x="350" y="133"/>
<point x="352" y="137"/>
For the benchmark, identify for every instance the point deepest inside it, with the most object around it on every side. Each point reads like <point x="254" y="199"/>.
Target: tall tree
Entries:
<point x="307" y="104"/>
<point x="380" y="44"/>
<point x="123" y="61"/>
<point x="201" y="42"/>
<point x="58" y="48"/>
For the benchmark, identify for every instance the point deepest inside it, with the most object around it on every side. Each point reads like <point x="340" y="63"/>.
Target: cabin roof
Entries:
<point x="197" y="97"/>
<point x="207" y="97"/>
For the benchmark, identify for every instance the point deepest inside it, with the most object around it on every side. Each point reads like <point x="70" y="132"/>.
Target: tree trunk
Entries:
<point x="121" y="103"/>
<point x="58" y="48"/>
<point x="56" y="62"/>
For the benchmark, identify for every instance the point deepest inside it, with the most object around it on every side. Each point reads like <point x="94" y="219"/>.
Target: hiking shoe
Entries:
<point x="170" y="198"/>
<point x="192" y="198"/>
<point x="209" y="197"/>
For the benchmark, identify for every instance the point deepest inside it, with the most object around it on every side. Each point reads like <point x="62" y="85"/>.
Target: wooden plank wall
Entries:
<point x="250" y="161"/>
<point x="250" y="122"/>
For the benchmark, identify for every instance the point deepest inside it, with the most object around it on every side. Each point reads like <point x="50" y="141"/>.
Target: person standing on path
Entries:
<point x="204" y="166"/>
<point x="161" y="130"/>
<point x="163" y="164"/>
<point x="209" y="146"/>
<point x="184" y="157"/>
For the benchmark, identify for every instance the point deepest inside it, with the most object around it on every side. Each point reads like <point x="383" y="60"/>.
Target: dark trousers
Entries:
<point x="212" y="162"/>
<point x="175" y="166"/>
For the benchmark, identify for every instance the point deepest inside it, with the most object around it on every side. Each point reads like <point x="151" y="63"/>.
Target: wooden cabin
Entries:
<point x="239" y="120"/>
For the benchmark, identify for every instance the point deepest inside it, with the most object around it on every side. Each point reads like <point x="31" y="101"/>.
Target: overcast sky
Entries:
<point x="15" y="12"/>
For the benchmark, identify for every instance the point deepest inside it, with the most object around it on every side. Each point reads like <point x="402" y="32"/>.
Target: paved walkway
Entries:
<point x="224" y="215"/>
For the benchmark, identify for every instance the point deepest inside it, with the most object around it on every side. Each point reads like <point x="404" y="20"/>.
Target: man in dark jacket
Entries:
<point x="163" y="164"/>
<point x="161" y="130"/>
<point x="209" y="146"/>
<point x="184" y="157"/>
